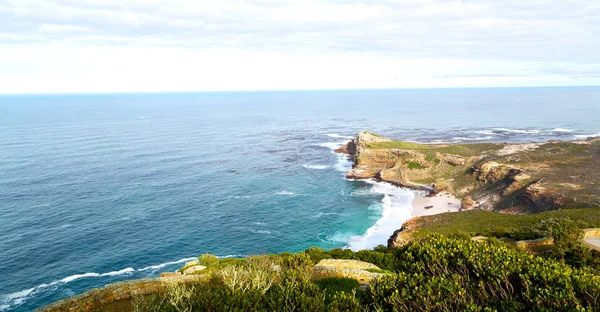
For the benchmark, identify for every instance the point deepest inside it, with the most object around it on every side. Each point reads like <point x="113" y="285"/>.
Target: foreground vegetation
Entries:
<point x="436" y="273"/>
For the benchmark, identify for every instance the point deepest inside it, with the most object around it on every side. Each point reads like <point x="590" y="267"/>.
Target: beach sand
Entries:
<point x="442" y="202"/>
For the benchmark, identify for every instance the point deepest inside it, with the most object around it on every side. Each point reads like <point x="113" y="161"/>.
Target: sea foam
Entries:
<point x="339" y="136"/>
<point x="317" y="167"/>
<point x="396" y="208"/>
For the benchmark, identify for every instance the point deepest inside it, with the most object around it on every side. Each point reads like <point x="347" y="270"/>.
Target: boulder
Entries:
<point x="467" y="203"/>
<point x="354" y="269"/>
<point x="193" y="269"/>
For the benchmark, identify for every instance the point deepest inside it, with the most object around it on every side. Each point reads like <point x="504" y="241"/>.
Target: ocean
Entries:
<point x="99" y="188"/>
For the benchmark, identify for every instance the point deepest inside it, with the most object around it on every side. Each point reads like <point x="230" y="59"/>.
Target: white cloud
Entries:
<point x="160" y="45"/>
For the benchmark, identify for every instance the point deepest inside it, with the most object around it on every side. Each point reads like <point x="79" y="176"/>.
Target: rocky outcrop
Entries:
<point x="348" y="148"/>
<point x="402" y="236"/>
<point x="453" y="160"/>
<point x="491" y="172"/>
<point x="467" y="203"/>
<point x="353" y="269"/>
<point x="542" y="198"/>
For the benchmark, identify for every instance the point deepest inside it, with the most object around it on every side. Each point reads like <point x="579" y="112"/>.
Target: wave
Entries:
<point x="335" y="135"/>
<point x="317" y="167"/>
<point x="485" y="132"/>
<point x="320" y="214"/>
<point x="562" y="130"/>
<point x="259" y="231"/>
<point x="162" y="265"/>
<point x="396" y="208"/>
<point x="473" y="139"/>
<point x="284" y="192"/>
<point x="585" y="136"/>
<point x="524" y="131"/>
<point x="19" y="297"/>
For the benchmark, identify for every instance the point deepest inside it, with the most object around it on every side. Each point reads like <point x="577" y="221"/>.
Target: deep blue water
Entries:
<point x="99" y="188"/>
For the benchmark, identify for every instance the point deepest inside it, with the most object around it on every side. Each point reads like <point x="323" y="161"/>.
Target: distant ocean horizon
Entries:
<point x="99" y="188"/>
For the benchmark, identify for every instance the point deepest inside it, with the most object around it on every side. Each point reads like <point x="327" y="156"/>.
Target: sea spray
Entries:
<point x="396" y="209"/>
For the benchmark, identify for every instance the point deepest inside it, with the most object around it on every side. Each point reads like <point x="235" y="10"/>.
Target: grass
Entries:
<point x="414" y="165"/>
<point x="398" y="145"/>
<point x="338" y="284"/>
<point x="486" y="223"/>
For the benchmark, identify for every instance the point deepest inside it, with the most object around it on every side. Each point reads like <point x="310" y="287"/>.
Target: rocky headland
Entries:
<point x="506" y="178"/>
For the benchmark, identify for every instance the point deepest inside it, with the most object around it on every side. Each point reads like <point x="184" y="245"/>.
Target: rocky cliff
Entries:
<point x="510" y="178"/>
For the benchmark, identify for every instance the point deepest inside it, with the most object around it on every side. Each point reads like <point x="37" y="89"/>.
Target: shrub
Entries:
<point x="338" y="284"/>
<point x="208" y="260"/>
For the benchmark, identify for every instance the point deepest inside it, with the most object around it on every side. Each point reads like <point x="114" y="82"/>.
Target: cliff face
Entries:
<point x="511" y="178"/>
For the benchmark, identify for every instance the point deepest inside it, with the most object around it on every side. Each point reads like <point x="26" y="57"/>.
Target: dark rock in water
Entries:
<point x="428" y="207"/>
<point x="349" y="148"/>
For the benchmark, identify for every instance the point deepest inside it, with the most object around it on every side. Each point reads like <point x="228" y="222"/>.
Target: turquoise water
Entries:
<point x="99" y="188"/>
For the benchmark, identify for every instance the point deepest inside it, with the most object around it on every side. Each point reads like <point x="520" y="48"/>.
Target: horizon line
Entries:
<point x="283" y="90"/>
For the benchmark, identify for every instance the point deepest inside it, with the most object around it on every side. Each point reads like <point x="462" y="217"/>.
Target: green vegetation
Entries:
<point x="435" y="273"/>
<point x="465" y="150"/>
<point x="492" y="224"/>
<point x="338" y="284"/>
<point x="210" y="261"/>
<point x="399" y="145"/>
<point x="414" y="165"/>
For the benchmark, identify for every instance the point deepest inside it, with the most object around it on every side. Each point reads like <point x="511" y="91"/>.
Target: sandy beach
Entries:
<point x="442" y="202"/>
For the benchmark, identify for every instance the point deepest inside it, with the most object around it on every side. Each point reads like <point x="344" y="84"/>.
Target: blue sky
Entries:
<point x="194" y="45"/>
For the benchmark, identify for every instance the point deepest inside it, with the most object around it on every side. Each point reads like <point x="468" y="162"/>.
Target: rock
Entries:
<point x="479" y="239"/>
<point x="349" y="148"/>
<point x="345" y="268"/>
<point x="490" y="172"/>
<point x="169" y="274"/>
<point x="452" y="160"/>
<point x="191" y="263"/>
<point x="594" y="232"/>
<point x="402" y="236"/>
<point x="488" y="201"/>
<point x="534" y="243"/>
<point x="467" y="203"/>
<point x="193" y="269"/>
<point x="365" y="137"/>
<point x="541" y="198"/>
<point x="441" y="185"/>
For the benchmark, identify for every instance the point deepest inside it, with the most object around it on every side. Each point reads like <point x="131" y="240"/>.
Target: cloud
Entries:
<point x="531" y="38"/>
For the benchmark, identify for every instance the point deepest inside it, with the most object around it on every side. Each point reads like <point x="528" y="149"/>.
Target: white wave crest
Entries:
<point x="562" y="130"/>
<point x="339" y="136"/>
<point x="524" y="131"/>
<point x="162" y="265"/>
<point x="284" y="192"/>
<point x="320" y="214"/>
<point x="396" y="208"/>
<point x="473" y="139"/>
<point x="92" y="274"/>
<point x="317" y="167"/>
<point x="484" y="132"/>
<point x="585" y="136"/>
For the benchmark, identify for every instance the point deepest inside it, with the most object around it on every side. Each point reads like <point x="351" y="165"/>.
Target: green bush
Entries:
<point x="208" y="260"/>
<point x="338" y="284"/>
<point x="435" y="273"/>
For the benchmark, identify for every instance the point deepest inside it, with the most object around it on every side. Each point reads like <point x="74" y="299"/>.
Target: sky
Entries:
<point x="79" y="46"/>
